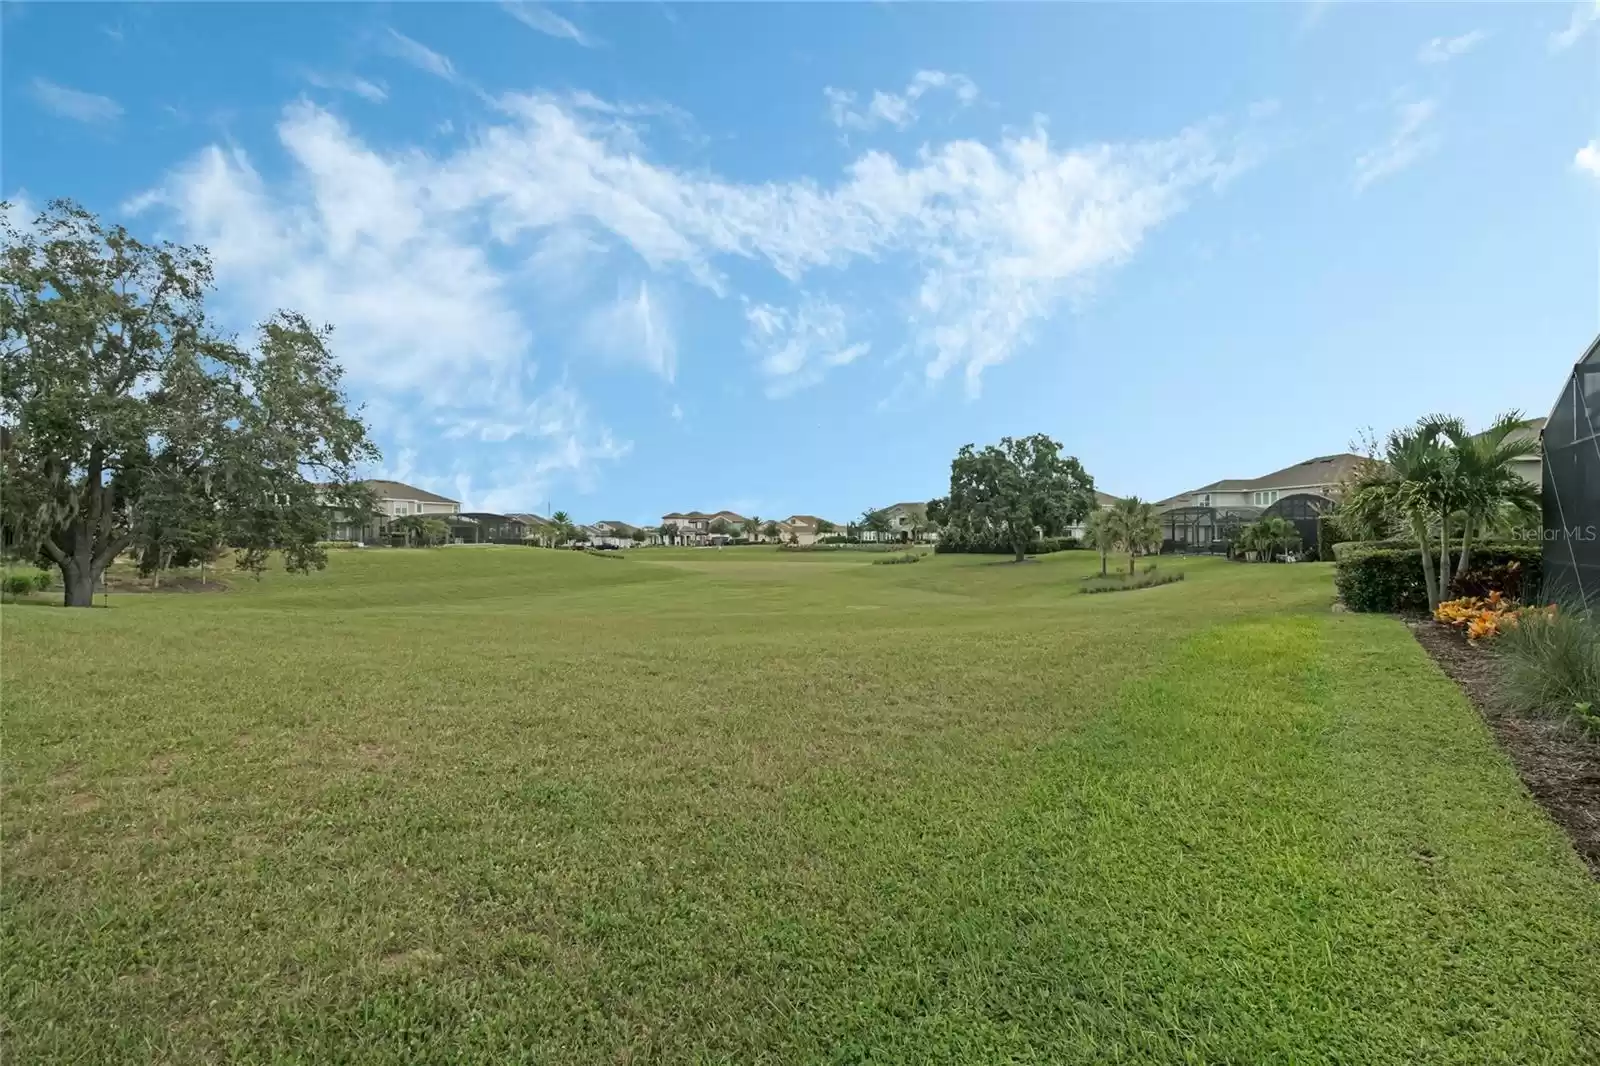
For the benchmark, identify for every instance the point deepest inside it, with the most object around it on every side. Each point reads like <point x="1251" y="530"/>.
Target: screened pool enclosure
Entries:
<point x="1212" y="530"/>
<point x="1571" y="453"/>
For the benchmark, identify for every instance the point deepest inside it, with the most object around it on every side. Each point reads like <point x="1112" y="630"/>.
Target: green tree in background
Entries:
<point x="1017" y="488"/>
<point x="116" y="395"/>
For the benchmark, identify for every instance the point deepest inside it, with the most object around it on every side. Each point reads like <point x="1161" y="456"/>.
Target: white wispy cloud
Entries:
<point x="1444" y="49"/>
<point x="348" y="83"/>
<point x="420" y="56"/>
<point x="73" y="103"/>
<point x="998" y="234"/>
<point x="1588" y="158"/>
<point x="426" y="328"/>
<point x="796" y="347"/>
<point x="895" y="109"/>
<point x="1411" y="140"/>
<point x="429" y="263"/>
<point x="634" y="328"/>
<point x="547" y="22"/>
<point x="1584" y="16"/>
<point x="676" y="412"/>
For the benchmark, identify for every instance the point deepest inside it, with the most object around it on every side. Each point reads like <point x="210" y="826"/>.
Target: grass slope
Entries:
<point x="504" y="805"/>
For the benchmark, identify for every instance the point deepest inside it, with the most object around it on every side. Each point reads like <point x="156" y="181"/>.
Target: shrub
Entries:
<point x="1379" y="576"/>
<point x="1150" y="578"/>
<point x="1551" y="661"/>
<point x="604" y="554"/>
<point x="17" y="584"/>
<point x="956" y="542"/>
<point x="900" y="557"/>
<point x="43" y="580"/>
<point x="810" y="547"/>
<point x="1329" y="533"/>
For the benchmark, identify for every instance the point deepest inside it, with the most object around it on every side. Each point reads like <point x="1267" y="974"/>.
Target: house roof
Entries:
<point x="1323" y="470"/>
<point x="1531" y="431"/>
<point x="918" y="509"/>
<point x="1104" y="499"/>
<point x="730" y="516"/>
<point x="487" y="516"/>
<point x="399" y="490"/>
<point x="529" y="519"/>
<point x="616" y="525"/>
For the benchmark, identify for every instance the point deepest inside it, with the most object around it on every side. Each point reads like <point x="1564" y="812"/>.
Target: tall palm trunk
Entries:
<point x="1420" y="528"/>
<point x="1466" y="546"/>
<point x="1444" y="557"/>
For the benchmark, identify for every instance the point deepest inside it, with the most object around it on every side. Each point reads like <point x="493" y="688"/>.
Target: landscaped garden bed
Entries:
<point x="1557" y="757"/>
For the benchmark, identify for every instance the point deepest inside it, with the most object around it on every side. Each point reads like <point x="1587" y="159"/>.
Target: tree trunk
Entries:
<point x="1102" y="562"/>
<point x="1130" y="564"/>
<point x="1021" y="548"/>
<point x="1466" y="547"/>
<point x="1444" y="558"/>
<point x="77" y="584"/>
<point x="1421" y="531"/>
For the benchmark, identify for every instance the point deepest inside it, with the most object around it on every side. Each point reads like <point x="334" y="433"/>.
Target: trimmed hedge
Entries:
<point x="1378" y="576"/>
<point x="953" y="542"/>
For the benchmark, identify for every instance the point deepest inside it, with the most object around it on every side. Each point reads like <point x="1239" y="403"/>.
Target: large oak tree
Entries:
<point x="1016" y="488"/>
<point x="130" y="423"/>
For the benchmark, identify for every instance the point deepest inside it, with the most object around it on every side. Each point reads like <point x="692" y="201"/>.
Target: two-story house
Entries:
<point x="694" y="527"/>
<point x="907" y="521"/>
<point x="1210" y="514"/>
<point x="395" y="499"/>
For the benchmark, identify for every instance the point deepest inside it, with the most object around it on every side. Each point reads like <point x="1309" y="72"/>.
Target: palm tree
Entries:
<point x="434" y="531"/>
<point x="874" y="522"/>
<point x="771" y="530"/>
<point x="1413" y="486"/>
<point x="1488" y="483"/>
<point x="1136" y="525"/>
<point x="1100" y="533"/>
<point x="1269" y="535"/>
<point x="752" y="528"/>
<point x="563" y="530"/>
<point x="825" y="527"/>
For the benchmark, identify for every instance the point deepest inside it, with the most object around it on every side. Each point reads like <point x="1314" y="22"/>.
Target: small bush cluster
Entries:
<point x="851" y="546"/>
<point x="1551" y="663"/>
<point x="21" y="583"/>
<point x="900" y="557"/>
<point x="955" y="542"/>
<point x="1150" y="577"/>
<point x="1380" y="576"/>
<point x="604" y="554"/>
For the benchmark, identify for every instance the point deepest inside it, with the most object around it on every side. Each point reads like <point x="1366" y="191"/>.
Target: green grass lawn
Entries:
<point x="507" y="805"/>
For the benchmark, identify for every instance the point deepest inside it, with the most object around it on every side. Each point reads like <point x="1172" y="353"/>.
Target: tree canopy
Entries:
<point x="1017" y="488"/>
<point x="130" y="423"/>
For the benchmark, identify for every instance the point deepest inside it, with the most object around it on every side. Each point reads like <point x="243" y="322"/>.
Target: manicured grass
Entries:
<point x="508" y="805"/>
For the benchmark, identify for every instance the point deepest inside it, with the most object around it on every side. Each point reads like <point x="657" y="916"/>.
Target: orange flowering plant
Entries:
<point x="1484" y="617"/>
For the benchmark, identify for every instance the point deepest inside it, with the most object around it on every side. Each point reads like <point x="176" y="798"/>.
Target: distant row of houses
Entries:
<point x="905" y="522"/>
<point x="1191" y="520"/>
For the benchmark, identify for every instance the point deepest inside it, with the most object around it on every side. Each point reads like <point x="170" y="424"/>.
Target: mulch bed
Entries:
<point x="1558" y="761"/>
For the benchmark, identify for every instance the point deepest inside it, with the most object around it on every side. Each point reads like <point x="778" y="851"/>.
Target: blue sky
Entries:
<point x="788" y="258"/>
